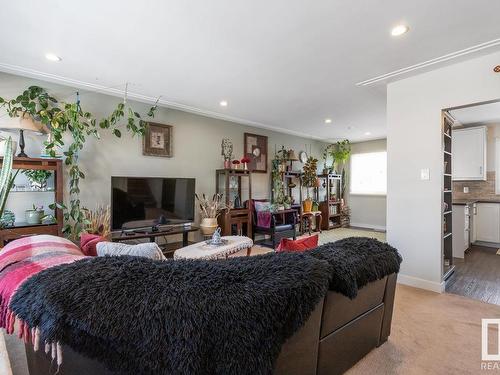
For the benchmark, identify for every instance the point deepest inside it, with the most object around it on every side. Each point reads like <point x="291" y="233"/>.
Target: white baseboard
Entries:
<point x="421" y="283"/>
<point x="368" y="226"/>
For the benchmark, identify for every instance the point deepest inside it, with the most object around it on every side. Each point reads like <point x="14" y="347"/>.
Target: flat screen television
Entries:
<point x="140" y="202"/>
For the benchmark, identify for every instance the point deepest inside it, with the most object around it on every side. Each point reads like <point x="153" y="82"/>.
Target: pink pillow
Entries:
<point x="88" y="243"/>
<point x="300" y="245"/>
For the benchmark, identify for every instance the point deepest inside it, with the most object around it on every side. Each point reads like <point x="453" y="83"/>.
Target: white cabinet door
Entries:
<point x="468" y="147"/>
<point x="487" y="222"/>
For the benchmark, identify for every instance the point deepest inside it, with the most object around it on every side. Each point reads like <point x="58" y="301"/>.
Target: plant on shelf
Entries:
<point x="35" y="214"/>
<point x="210" y="209"/>
<point x="37" y="177"/>
<point x="6" y="181"/>
<point x="227" y="152"/>
<point x="282" y="157"/>
<point x="98" y="221"/>
<point x="70" y="119"/>
<point x="341" y="154"/>
<point x="326" y="153"/>
<point x="309" y="180"/>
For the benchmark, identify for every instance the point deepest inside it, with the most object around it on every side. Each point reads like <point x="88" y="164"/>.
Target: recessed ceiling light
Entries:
<point x="399" y="30"/>
<point x="328" y="121"/>
<point x="52" y="57"/>
<point x="368" y="133"/>
<point x="223" y="103"/>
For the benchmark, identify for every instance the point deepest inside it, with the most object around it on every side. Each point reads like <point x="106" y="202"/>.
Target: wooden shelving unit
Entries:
<point x="21" y="229"/>
<point x="329" y="203"/>
<point x="447" y="265"/>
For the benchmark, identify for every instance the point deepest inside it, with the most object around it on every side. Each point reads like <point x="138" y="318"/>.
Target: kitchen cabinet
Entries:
<point x="460" y="230"/>
<point x="469" y="154"/>
<point x="487" y="222"/>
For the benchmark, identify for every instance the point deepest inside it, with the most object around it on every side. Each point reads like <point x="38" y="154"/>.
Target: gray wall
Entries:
<point x="368" y="211"/>
<point x="196" y="146"/>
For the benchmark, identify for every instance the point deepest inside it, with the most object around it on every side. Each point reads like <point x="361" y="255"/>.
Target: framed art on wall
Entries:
<point x="158" y="140"/>
<point x="255" y="147"/>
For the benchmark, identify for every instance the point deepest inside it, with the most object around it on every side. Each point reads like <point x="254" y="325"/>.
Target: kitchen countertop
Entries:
<point x="463" y="202"/>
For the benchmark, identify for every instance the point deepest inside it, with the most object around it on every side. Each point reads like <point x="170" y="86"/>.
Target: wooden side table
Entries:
<point x="307" y="218"/>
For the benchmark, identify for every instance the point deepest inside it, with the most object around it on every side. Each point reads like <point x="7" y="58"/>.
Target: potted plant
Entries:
<point x="282" y="157"/>
<point x="6" y="181"/>
<point x="210" y="209"/>
<point x="341" y="154"/>
<point x="98" y="221"/>
<point x="326" y="153"/>
<point x="309" y="180"/>
<point x="315" y="206"/>
<point x="227" y="152"/>
<point x="287" y="202"/>
<point x="34" y="215"/>
<point x="245" y="160"/>
<point x="38" y="178"/>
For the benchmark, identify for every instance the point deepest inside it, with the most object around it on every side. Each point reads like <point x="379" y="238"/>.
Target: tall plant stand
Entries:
<point x="328" y="196"/>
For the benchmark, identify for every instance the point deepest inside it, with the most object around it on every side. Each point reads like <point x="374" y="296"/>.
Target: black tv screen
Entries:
<point x="138" y="202"/>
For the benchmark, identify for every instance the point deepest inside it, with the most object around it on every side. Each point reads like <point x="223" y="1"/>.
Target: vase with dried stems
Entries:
<point x="98" y="221"/>
<point x="210" y="209"/>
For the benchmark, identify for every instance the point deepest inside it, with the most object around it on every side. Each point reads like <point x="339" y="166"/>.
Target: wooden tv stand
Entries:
<point x="163" y="231"/>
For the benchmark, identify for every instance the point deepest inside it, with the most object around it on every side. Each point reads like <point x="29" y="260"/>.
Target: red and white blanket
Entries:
<point x="20" y="260"/>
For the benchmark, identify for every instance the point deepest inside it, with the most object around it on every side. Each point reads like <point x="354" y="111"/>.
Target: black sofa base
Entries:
<point x="338" y="334"/>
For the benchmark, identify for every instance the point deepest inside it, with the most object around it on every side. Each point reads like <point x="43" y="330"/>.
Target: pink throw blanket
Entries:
<point x="263" y="219"/>
<point x="24" y="258"/>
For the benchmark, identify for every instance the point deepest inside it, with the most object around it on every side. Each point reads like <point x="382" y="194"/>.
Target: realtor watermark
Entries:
<point x="490" y="360"/>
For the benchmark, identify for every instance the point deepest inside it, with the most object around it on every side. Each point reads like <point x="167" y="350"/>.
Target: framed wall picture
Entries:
<point x="255" y="147"/>
<point x="158" y="140"/>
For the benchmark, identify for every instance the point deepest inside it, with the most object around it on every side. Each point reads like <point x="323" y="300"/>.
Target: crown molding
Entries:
<point x="32" y="73"/>
<point x="425" y="64"/>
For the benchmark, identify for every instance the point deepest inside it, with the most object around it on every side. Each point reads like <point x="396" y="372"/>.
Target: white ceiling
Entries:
<point x="479" y="114"/>
<point x="284" y="64"/>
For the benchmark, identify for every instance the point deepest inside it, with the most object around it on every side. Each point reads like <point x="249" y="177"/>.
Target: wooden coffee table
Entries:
<point x="201" y="250"/>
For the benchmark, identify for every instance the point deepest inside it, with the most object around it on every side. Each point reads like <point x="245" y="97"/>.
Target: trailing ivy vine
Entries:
<point x="64" y="118"/>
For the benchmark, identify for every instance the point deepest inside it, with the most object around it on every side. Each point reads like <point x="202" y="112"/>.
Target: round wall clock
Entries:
<point x="303" y="156"/>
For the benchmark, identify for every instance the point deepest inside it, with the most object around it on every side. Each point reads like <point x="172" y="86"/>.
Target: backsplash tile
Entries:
<point x="478" y="190"/>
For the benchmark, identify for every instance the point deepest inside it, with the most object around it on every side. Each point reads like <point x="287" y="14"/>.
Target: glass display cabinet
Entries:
<point x="236" y="187"/>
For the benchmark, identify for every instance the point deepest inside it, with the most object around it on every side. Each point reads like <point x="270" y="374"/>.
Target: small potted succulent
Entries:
<point x="245" y="160"/>
<point x="34" y="215"/>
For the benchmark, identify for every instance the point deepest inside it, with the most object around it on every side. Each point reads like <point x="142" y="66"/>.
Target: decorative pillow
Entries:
<point x="147" y="250"/>
<point x="88" y="243"/>
<point x="300" y="245"/>
<point x="262" y="206"/>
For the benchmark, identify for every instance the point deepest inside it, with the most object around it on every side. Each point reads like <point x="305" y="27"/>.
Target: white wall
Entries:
<point x="196" y="146"/>
<point x="368" y="211"/>
<point x="414" y="142"/>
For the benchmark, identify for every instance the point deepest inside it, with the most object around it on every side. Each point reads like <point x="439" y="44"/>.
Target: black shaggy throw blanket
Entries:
<point x="139" y="316"/>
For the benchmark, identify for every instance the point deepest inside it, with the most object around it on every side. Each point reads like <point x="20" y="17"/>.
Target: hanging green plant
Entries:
<point x="63" y="118"/>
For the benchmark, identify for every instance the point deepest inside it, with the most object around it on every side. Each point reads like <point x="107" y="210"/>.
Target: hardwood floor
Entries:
<point x="478" y="276"/>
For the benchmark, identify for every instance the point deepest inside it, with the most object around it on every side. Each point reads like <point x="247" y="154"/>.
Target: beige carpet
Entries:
<point x="431" y="334"/>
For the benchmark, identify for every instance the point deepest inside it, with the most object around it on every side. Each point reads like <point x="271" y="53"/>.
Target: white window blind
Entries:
<point x="369" y="173"/>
